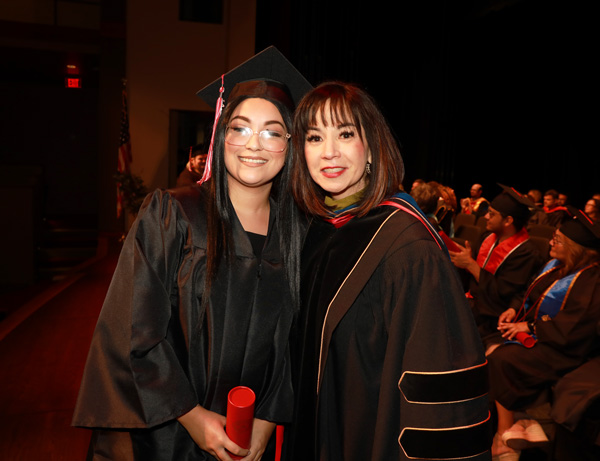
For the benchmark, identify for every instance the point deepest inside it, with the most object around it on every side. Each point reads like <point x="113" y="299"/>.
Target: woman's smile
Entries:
<point x="252" y="160"/>
<point x="333" y="171"/>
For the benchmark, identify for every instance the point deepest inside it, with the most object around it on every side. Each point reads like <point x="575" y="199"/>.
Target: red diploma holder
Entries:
<point x="525" y="339"/>
<point x="240" y="416"/>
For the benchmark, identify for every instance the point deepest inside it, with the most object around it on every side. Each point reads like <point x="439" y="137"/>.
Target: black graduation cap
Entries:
<point x="581" y="229"/>
<point x="512" y="203"/>
<point x="268" y="74"/>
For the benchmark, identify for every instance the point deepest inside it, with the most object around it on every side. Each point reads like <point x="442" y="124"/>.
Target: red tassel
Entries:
<point x="208" y="168"/>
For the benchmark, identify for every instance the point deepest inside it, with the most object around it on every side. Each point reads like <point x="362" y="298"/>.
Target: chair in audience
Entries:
<point x="541" y="230"/>
<point x="472" y="233"/>
<point x="481" y="222"/>
<point x="542" y="244"/>
<point x="463" y="219"/>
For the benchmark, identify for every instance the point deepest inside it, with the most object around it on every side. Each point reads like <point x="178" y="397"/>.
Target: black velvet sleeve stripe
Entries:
<point x="447" y="443"/>
<point x="444" y="387"/>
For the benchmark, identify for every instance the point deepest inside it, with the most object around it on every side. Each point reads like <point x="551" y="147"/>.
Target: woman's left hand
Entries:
<point x="261" y="433"/>
<point x="510" y="330"/>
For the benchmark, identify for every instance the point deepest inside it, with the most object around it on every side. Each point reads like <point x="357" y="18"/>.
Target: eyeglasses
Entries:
<point x="555" y="241"/>
<point x="271" y="140"/>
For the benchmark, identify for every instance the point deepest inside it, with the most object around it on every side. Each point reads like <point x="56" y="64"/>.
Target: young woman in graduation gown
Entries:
<point x="559" y="317"/>
<point x="390" y="362"/>
<point x="203" y="296"/>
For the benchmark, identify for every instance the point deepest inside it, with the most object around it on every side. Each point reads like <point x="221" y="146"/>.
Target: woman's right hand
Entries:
<point x="207" y="429"/>
<point x="507" y="316"/>
<point x="511" y="330"/>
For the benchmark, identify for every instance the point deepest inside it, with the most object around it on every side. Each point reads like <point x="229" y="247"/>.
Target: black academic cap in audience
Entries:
<point x="267" y="74"/>
<point x="512" y="203"/>
<point x="581" y="229"/>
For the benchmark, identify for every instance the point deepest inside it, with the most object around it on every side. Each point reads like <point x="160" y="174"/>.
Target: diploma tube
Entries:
<point x="525" y="339"/>
<point x="240" y="416"/>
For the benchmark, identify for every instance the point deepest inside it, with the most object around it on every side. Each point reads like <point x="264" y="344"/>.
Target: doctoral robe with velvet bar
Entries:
<point x="398" y="374"/>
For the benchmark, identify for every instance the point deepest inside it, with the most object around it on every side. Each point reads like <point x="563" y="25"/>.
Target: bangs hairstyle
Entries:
<point x="348" y="104"/>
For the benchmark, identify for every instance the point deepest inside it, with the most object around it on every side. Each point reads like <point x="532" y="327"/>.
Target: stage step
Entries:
<point x="66" y="242"/>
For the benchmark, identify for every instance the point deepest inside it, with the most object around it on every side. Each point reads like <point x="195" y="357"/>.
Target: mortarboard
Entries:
<point x="512" y="203"/>
<point x="267" y="74"/>
<point x="265" y="69"/>
<point x="582" y="230"/>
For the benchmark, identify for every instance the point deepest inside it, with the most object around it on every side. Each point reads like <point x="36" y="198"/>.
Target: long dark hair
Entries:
<point x="220" y="211"/>
<point x="347" y="103"/>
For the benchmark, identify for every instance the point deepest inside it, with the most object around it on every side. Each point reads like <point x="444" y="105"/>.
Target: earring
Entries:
<point x="368" y="168"/>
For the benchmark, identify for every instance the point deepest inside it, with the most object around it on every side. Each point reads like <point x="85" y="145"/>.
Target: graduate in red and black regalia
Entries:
<point x="390" y="364"/>
<point x="505" y="263"/>
<point x="556" y="214"/>
<point x="205" y="291"/>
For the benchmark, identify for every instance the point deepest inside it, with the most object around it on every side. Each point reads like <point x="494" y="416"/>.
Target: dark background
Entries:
<point x="476" y="91"/>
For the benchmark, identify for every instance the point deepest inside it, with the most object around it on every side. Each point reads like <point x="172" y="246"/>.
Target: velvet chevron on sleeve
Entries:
<point x="400" y="372"/>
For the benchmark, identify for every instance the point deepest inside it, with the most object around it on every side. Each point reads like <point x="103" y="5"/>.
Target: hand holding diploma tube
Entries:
<point x="525" y="339"/>
<point x="240" y="416"/>
<point x="515" y="331"/>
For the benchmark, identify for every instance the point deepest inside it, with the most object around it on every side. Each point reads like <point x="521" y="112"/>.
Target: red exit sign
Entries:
<point x="72" y="82"/>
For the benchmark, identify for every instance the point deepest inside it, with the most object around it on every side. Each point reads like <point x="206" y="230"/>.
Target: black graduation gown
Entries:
<point x="155" y="354"/>
<point x="578" y="393"/>
<point x="523" y="377"/>
<point x="405" y="357"/>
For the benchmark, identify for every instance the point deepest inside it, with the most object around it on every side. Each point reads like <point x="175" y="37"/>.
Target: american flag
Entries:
<point x="124" y="159"/>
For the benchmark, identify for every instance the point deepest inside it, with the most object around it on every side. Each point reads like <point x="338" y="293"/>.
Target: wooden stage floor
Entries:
<point x="43" y="348"/>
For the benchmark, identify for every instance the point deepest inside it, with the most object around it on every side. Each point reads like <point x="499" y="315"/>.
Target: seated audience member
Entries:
<point x="559" y="317"/>
<point x="535" y="196"/>
<point x="555" y="213"/>
<point x="506" y="262"/>
<point x="475" y="204"/>
<point x="563" y="199"/>
<point x="592" y="209"/>
<point x="416" y="182"/>
<point x="447" y="208"/>
<point x="192" y="172"/>
<point x="428" y="197"/>
<point x="538" y="215"/>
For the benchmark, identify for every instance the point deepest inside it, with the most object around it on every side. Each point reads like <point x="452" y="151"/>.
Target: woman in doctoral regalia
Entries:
<point x="391" y="364"/>
<point x="205" y="290"/>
